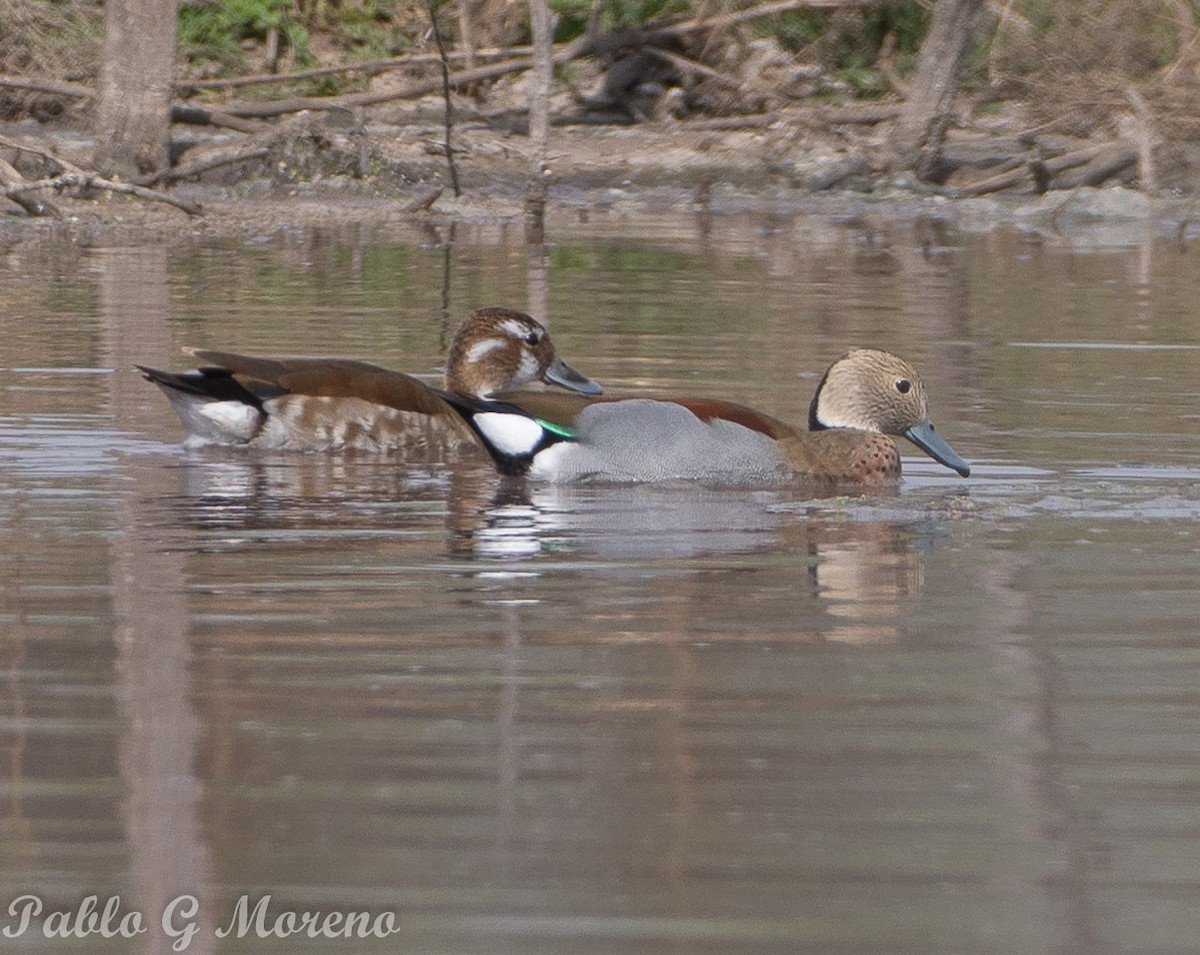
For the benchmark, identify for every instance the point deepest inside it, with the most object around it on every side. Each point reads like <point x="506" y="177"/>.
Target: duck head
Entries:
<point x="871" y="390"/>
<point x="499" y="349"/>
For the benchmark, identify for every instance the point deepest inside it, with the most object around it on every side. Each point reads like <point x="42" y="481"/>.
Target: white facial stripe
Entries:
<point x="509" y="433"/>
<point x="485" y="347"/>
<point x="511" y="326"/>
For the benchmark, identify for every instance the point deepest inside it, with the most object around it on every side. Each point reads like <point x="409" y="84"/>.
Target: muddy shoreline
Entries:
<point x="635" y="173"/>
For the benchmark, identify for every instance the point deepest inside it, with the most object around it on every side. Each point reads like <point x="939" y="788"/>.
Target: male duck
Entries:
<point x="865" y="396"/>
<point x="323" y="404"/>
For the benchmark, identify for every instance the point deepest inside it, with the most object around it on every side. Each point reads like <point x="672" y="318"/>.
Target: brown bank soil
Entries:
<point x="393" y="170"/>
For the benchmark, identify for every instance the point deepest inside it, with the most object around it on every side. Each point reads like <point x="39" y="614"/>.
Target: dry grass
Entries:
<point x="58" y="41"/>
<point x="1074" y="64"/>
<point x="1070" y="63"/>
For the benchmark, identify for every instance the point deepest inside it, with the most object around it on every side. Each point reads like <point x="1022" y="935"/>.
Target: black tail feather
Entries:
<point x="215" y="384"/>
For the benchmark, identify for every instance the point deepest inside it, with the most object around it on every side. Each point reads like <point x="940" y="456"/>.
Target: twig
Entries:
<point x="539" y="96"/>
<point x="44" y="153"/>
<point x="204" y="116"/>
<point x="422" y="201"/>
<point x="685" y="65"/>
<point x="1004" y="17"/>
<point x="411" y="90"/>
<point x="35" y="206"/>
<point x="204" y="165"/>
<point x="732" y="123"/>
<point x="466" y="35"/>
<point x="885" y="62"/>
<point x="1144" y="124"/>
<point x="449" y="106"/>
<point x="371" y="67"/>
<point x="89" y="181"/>
<point x="1187" y="27"/>
<point x="76" y="90"/>
<point x="868" y="114"/>
<point x="1008" y="179"/>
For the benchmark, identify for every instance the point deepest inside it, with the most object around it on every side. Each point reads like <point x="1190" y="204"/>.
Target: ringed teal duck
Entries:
<point x="865" y="396"/>
<point x="325" y="404"/>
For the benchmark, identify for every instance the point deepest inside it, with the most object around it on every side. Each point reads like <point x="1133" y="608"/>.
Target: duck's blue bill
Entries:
<point x="562" y="374"/>
<point x="928" y="440"/>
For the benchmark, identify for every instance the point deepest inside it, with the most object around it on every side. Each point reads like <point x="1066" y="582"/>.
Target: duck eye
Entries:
<point x="903" y="385"/>
<point x="532" y="338"/>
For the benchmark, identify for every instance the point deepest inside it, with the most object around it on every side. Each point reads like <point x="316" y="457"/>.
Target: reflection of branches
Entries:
<point x="447" y="268"/>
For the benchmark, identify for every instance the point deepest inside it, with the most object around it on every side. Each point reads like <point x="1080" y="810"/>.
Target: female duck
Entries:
<point x="865" y="396"/>
<point x="324" y="404"/>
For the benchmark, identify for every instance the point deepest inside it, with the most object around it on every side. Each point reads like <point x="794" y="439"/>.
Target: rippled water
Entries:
<point x="961" y="717"/>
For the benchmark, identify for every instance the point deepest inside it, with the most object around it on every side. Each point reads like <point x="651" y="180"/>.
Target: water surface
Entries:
<point x="961" y="717"/>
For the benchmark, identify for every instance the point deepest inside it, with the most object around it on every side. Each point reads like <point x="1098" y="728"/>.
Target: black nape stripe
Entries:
<point x="511" y="465"/>
<point x="814" y="423"/>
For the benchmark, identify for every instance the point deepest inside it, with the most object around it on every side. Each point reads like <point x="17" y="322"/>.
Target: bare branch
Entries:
<point x="89" y="181"/>
<point x="204" y="165"/>
<point x="76" y="90"/>
<point x="44" y="153"/>
<point x="448" y="104"/>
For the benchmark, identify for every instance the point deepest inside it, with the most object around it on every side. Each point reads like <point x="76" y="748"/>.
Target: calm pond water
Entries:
<point x="963" y="717"/>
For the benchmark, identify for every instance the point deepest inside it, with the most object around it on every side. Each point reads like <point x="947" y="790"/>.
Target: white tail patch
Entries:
<point x="511" y="434"/>
<point x="233" y="420"/>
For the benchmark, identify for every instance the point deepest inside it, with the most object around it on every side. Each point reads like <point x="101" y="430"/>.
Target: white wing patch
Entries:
<point x="509" y="433"/>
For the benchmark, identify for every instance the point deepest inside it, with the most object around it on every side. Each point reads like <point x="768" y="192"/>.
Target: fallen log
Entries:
<point x="1047" y="173"/>
<point x="56" y="87"/>
<point x="1113" y="159"/>
<point x="204" y="116"/>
